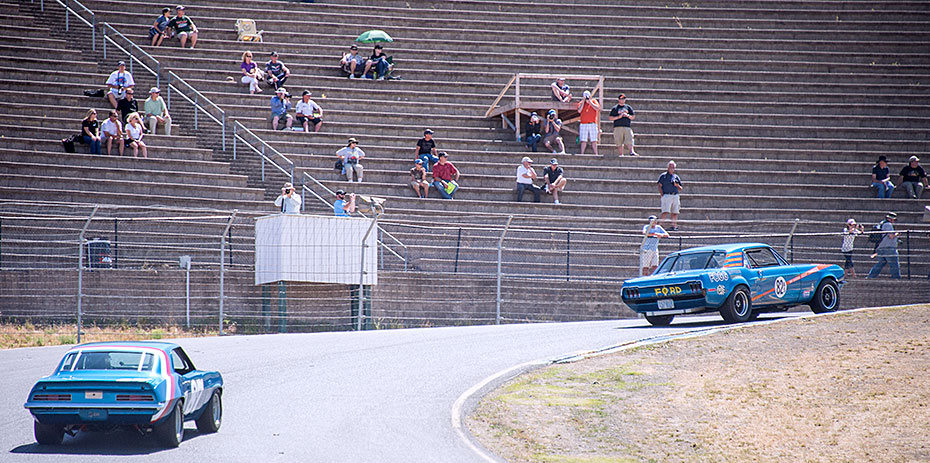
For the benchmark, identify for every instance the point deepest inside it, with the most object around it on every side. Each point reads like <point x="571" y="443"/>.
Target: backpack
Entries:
<point x="68" y="143"/>
<point x="876" y="236"/>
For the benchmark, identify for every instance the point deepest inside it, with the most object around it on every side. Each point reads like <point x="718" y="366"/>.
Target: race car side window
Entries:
<point x="182" y="366"/>
<point x="780" y="258"/>
<point x="716" y="260"/>
<point x="667" y="264"/>
<point x="761" y="257"/>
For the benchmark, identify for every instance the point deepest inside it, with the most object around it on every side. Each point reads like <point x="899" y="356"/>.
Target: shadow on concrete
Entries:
<point x="118" y="442"/>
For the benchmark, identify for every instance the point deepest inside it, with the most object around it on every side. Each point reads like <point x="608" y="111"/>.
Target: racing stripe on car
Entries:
<point x="733" y="259"/>
<point x="816" y="268"/>
<point x="170" y="386"/>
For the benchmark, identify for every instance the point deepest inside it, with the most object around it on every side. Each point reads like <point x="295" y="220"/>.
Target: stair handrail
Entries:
<point x="196" y="102"/>
<point x="92" y="23"/>
<point x="132" y="57"/>
<point x="238" y="128"/>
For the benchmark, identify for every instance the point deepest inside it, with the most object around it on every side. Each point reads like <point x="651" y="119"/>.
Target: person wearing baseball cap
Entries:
<point x="887" y="249"/>
<point x="849" y="237"/>
<point x="308" y="112"/>
<point x="352" y="63"/>
<point x="119" y="81"/>
<point x="343" y="207"/>
<point x="183" y="27"/>
<point x="280" y="104"/>
<point x="649" y="252"/>
<point x="426" y="150"/>
<point x="276" y="73"/>
<point x="555" y="179"/>
<point x="351" y="157"/>
<point x="622" y="116"/>
<point x="526" y="175"/>
<point x="913" y="178"/>
<point x="589" y="109"/>
<point x="156" y="112"/>
<point x="289" y="201"/>
<point x="159" y="28"/>
<point x="531" y="135"/>
<point x="561" y="91"/>
<point x="418" y="179"/>
<point x="551" y="129"/>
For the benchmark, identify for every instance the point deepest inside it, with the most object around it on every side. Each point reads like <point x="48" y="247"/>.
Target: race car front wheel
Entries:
<point x="47" y="434"/>
<point x="212" y="416"/>
<point x="826" y="298"/>
<point x="738" y="307"/>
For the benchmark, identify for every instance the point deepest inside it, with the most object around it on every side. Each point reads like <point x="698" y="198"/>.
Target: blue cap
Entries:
<point x="419" y="161"/>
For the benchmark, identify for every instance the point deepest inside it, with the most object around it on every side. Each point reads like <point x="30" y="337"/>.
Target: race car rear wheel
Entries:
<point x="171" y="431"/>
<point x="48" y="434"/>
<point x="660" y="320"/>
<point x="826" y="298"/>
<point x="212" y="416"/>
<point x="738" y="307"/>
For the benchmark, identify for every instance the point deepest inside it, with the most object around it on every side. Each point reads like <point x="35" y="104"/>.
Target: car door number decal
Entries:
<point x="781" y="287"/>
<point x="193" y="395"/>
<point x="719" y="276"/>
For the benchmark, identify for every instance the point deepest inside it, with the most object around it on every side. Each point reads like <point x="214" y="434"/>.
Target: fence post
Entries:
<point x="223" y="266"/>
<point x="168" y="92"/>
<point x="568" y="256"/>
<point x="105" y="41"/>
<point x="790" y="240"/>
<point x="93" y="34"/>
<point x="68" y="28"/>
<point x="361" y="274"/>
<point x="196" y="105"/>
<point x="130" y="58"/>
<point x="158" y="74"/>
<point x="115" y="243"/>
<point x="907" y="244"/>
<point x="224" y="133"/>
<point x="458" y="244"/>
<point x="234" y="143"/>
<point x="263" y="162"/>
<point x="80" y="295"/>
<point x="500" y="244"/>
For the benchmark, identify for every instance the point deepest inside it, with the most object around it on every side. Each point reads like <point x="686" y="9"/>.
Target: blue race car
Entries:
<point x="739" y="280"/>
<point x="147" y="386"/>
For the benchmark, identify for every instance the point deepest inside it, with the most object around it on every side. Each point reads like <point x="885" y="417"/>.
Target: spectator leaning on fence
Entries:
<point x="649" y="252"/>
<point x="159" y="28"/>
<point x="445" y="176"/>
<point x="156" y="112"/>
<point x="288" y="201"/>
<point x="881" y="178"/>
<point x="280" y="103"/>
<point x="913" y="178"/>
<point x="90" y="131"/>
<point x="849" y="237"/>
<point x="555" y="179"/>
<point x="351" y="157"/>
<point x="112" y="129"/>
<point x="134" y="133"/>
<point x="119" y="81"/>
<point x="309" y="113"/>
<point x="526" y="176"/>
<point x="251" y="74"/>
<point x="276" y="73"/>
<point x="183" y="27"/>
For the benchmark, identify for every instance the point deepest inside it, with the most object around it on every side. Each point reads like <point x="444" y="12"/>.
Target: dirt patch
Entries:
<point x="840" y="388"/>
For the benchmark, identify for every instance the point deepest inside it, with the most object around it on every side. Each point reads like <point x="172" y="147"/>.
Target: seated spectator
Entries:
<point x="183" y="27"/>
<point x="90" y="129"/>
<point x="159" y="29"/>
<point x="280" y="103"/>
<point x="119" y="81"/>
<point x="881" y="178"/>
<point x="913" y="178"/>
<point x="418" y="179"/>
<point x="445" y="176"/>
<point x="134" y="134"/>
<point x="289" y="201"/>
<point x="308" y="112"/>
<point x="251" y="74"/>
<point x="352" y="63"/>
<point x="380" y="62"/>
<point x="351" y="157"/>
<point x="156" y="112"/>
<point x="552" y="127"/>
<point x="555" y="179"/>
<point x="426" y="150"/>
<point x="531" y="134"/>
<point x="112" y="129"/>
<point x="127" y="105"/>
<point x="561" y="91"/>
<point x="526" y="175"/>
<point x="341" y="207"/>
<point x="276" y="73"/>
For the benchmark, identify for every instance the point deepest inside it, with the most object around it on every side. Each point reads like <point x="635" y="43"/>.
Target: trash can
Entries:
<point x="98" y="253"/>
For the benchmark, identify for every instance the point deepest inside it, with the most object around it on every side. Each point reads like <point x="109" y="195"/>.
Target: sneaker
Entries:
<point x="359" y="180"/>
<point x="634" y="153"/>
<point x="381" y="78"/>
<point x="675" y="228"/>
<point x="557" y="202"/>
<point x="561" y="152"/>
<point x="352" y="76"/>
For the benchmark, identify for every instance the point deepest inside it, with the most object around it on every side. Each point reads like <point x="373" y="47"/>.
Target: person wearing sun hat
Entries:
<point x="351" y="157"/>
<point x="881" y="178"/>
<point x="913" y="178"/>
<point x="279" y="106"/>
<point x="849" y="237"/>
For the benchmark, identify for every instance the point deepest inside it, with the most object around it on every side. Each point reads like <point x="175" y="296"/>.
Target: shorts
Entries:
<point x="314" y="121"/>
<point x="623" y="136"/>
<point x="587" y="132"/>
<point x="849" y="262"/>
<point x="671" y="203"/>
<point x="648" y="258"/>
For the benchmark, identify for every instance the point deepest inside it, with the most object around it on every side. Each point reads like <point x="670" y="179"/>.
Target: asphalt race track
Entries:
<point x="376" y="396"/>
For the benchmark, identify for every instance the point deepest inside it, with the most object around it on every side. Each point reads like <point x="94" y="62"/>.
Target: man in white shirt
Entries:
<point x="308" y="112"/>
<point x="288" y="201"/>
<point x="118" y="82"/>
<point x="112" y="129"/>
<point x="525" y="178"/>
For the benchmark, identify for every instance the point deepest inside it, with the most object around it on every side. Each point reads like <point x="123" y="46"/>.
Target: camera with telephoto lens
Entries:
<point x="551" y="116"/>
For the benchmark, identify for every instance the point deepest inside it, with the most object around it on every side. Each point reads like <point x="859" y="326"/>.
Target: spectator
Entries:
<point x="849" y="236"/>
<point x="526" y="175"/>
<point x="887" y="250"/>
<point x="280" y="103"/>
<point x="426" y="150"/>
<point x="351" y="157"/>
<point x="552" y="127"/>
<point x="669" y="187"/>
<point x="353" y="63"/>
<point x="881" y="178"/>
<point x="112" y="129"/>
<point x="156" y="112"/>
<point x="276" y="73"/>
<point x="561" y="91"/>
<point x="418" y="179"/>
<point x="590" y="109"/>
<point x="531" y="134"/>
<point x="251" y="75"/>
<point x="134" y="133"/>
<point x="159" y="28"/>
<point x="289" y="201"/>
<point x="913" y="178"/>
<point x="622" y="116"/>
<point x="649" y="252"/>
<point x="90" y="129"/>
<point x="555" y="179"/>
<point x="308" y="112"/>
<point x="119" y="81"/>
<point x="445" y="176"/>
<point x="380" y="62"/>
<point x="127" y="105"/>
<point x="341" y="207"/>
<point x="183" y="27"/>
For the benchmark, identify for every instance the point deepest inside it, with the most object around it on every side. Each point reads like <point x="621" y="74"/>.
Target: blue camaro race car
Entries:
<point x="738" y="280"/>
<point x="147" y="386"/>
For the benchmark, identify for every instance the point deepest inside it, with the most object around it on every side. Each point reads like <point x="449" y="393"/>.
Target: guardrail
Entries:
<point x="107" y="28"/>
<point x="238" y="129"/>
<point x="92" y="23"/>
<point x="219" y="118"/>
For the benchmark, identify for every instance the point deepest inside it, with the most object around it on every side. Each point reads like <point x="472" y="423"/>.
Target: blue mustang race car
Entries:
<point x="147" y="386"/>
<point x="739" y="280"/>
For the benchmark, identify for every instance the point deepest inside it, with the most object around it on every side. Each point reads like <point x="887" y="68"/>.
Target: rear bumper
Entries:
<point x="682" y="306"/>
<point x="62" y="416"/>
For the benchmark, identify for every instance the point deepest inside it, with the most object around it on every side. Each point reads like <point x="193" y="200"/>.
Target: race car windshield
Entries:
<point x="693" y="261"/>
<point x="108" y="360"/>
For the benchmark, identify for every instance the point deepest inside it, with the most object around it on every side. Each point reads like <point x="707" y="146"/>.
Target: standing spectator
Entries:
<point x="881" y="178"/>
<point x="351" y="157"/>
<point x="156" y="112"/>
<point x="913" y="178"/>
<point x="561" y="91"/>
<point x="426" y="150"/>
<point x="418" y="179"/>
<point x="276" y="73"/>
<point x="526" y="175"/>
<point x="649" y="252"/>
<point x="887" y="250"/>
<point x="112" y="129"/>
<point x="127" y="105"/>
<point x="531" y="134"/>
<point x="555" y="179"/>
<point x="669" y="187"/>
<point x="280" y="103"/>
<point x="445" y="176"/>
<point x="849" y="237"/>
<point x="90" y="129"/>
<point x="308" y="112"/>
<point x="251" y="75"/>
<point x="552" y="127"/>
<point x="353" y="63"/>
<point x="134" y="133"/>
<point x="289" y="201"/>
<point x="119" y="81"/>
<point x="622" y="116"/>
<point x="380" y="62"/>
<point x="590" y="109"/>
<point x="159" y="28"/>
<point x="183" y="27"/>
<point x="341" y="207"/>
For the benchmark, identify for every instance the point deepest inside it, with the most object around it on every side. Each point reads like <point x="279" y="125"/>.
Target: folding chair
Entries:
<point x="247" y="31"/>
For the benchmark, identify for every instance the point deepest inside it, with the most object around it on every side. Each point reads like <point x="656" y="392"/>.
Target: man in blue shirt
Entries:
<point x="887" y="250"/>
<point x="343" y="208"/>
<point x="669" y="187"/>
<point x="279" y="106"/>
<point x="649" y="252"/>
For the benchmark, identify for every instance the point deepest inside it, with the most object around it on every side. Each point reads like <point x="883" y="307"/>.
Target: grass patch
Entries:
<point x="13" y="335"/>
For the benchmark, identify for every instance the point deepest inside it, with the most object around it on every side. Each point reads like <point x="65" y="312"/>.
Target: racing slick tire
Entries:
<point x="170" y="432"/>
<point x="826" y="298"/>
<point x="212" y="416"/>
<point x="738" y="306"/>
<point x="659" y="320"/>
<point x="48" y="434"/>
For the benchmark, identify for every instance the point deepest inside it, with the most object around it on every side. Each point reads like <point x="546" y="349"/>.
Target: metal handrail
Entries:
<point x="132" y="58"/>
<point x="92" y="23"/>
<point x="198" y="97"/>
<point x="237" y="127"/>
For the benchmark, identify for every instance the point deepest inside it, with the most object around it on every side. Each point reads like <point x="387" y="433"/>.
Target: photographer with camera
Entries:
<point x="119" y="81"/>
<point x="550" y="133"/>
<point x="280" y="103"/>
<point x="289" y="201"/>
<point x="350" y="157"/>
<point x="590" y="109"/>
<point x="343" y="207"/>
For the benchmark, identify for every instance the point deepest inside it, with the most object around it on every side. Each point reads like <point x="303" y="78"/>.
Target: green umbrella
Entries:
<point x="374" y="36"/>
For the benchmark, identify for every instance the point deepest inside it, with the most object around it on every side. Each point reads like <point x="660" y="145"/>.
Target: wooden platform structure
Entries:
<point x="567" y="111"/>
